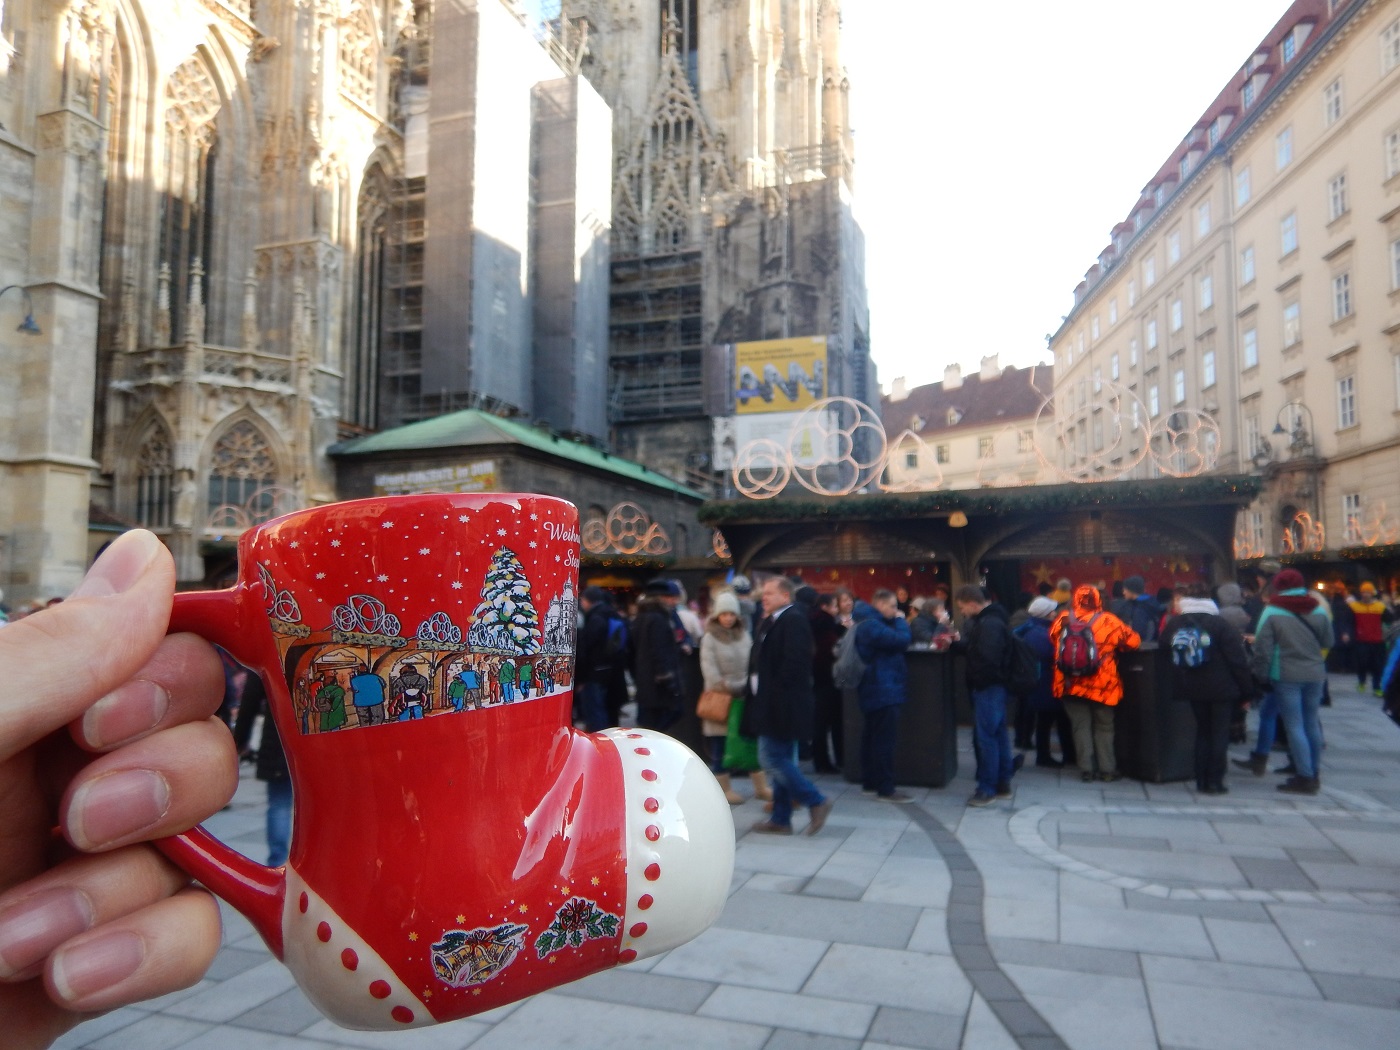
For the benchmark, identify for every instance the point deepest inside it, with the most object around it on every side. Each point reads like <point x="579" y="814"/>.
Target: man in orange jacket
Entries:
<point x="1085" y="641"/>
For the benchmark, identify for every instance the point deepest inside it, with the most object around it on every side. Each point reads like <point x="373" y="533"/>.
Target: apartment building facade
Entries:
<point x="1246" y="315"/>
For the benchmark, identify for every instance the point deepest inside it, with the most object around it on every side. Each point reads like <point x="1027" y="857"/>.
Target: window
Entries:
<point x="1213" y="135"/>
<point x="155" y="480"/>
<point x="1149" y="271"/>
<point x="1137" y="413"/>
<point x="1341" y="296"/>
<point x="984" y="448"/>
<point x="1132" y="353"/>
<point x="1290" y="48"/>
<point x="1332" y="102"/>
<point x="1252" y="443"/>
<point x="954" y="416"/>
<point x="1390" y="47"/>
<point x="1113" y="368"/>
<point x="1159" y="194"/>
<point x="1154" y="403"/>
<point x="1292" y="325"/>
<point x="1283" y="148"/>
<point x="1351" y="515"/>
<point x="1395" y="265"/>
<point x="911" y="460"/>
<point x="1098" y="379"/>
<point x="243" y="473"/>
<point x="940" y="453"/>
<point x="1392" y="155"/>
<point x="1025" y="441"/>
<point x="1203" y="218"/>
<point x="1094" y="327"/>
<point x="1207" y="292"/>
<point x="1208" y="370"/>
<point x="1132" y="285"/>
<point x="1173" y="247"/>
<point x="1152" y="334"/>
<point x="1174" y="313"/>
<point x="1179" y="386"/>
<point x="1242" y="187"/>
<point x="1247" y="94"/>
<point x="1113" y="311"/>
<point x="1337" y="197"/>
<point x="1098" y="431"/>
<point x="1184" y="167"/>
<point x="1346" y="402"/>
<point x="1246" y="265"/>
<point x="1396" y="369"/>
<point x="1256" y="529"/>
<point x="1288" y="233"/>
<point x="1249" y="348"/>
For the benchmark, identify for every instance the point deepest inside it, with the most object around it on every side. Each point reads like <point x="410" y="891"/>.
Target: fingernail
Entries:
<point x="97" y="964"/>
<point x="119" y="566"/>
<point x="39" y="924"/>
<point x="116" y="806"/>
<point x="125" y="713"/>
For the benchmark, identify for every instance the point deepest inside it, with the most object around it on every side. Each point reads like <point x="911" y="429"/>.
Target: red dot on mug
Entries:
<point x="645" y="901"/>
<point x="634" y="736"/>
<point x="651" y="805"/>
<point x="402" y="1014"/>
<point x="652" y="872"/>
<point x="641" y="750"/>
<point x="648" y="774"/>
<point x="653" y="832"/>
<point x="304" y="903"/>
<point x="379" y="989"/>
<point x="349" y="959"/>
<point x="323" y="932"/>
<point x="638" y="928"/>
<point x="626" y="955"/>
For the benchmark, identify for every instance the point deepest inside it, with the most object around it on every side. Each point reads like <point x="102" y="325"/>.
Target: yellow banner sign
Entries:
<point x="479" y="476"/>
<point x="779" y="375"/>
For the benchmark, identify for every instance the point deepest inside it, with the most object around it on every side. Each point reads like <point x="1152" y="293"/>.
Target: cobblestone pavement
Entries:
<point x="1090" y="916"/>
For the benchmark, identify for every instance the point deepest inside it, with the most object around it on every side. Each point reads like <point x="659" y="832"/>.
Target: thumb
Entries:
<point x="58" y="662"/>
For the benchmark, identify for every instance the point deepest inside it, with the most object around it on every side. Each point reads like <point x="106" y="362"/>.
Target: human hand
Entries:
<point x="106" y="742"/>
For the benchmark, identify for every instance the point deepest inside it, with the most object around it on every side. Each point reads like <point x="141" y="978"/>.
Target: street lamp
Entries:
<point x="28" y="326"/>
<point x="1300" y="442"/>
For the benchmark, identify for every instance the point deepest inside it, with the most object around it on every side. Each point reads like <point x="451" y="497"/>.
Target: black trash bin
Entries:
<point x="926" y="751"/>
<point x="1154" y="732"/>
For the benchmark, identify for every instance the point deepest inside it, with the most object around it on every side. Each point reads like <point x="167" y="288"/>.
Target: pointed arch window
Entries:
<point x="155" y="474"/>
<point x="192" y="105"/>
<point x="358" y="54"/>
<point x="681" y="19"/>
<point x="243" y="473"/>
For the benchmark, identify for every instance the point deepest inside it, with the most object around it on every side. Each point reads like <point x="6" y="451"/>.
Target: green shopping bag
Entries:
<point x="740" y="752"/>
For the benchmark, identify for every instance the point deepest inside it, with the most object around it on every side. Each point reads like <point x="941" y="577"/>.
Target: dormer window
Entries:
<point x="1185" y="166"/>
<point x="1247" y="93"/>
<point x="1290" y="48"/>
<point x="954" y="416"/>
<point x="917" y="423"/>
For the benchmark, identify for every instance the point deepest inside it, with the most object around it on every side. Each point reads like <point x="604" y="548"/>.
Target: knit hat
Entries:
<point x="1288" y="580"/>
<point x="663" y="586"/>
<point x="725" y="602"/>
<point x="741" y="585"/>
<point x="1136" y="584"/>
<point x="1043" y="608"/>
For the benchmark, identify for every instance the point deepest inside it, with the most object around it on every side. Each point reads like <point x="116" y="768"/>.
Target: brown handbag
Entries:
<point x="713" y="705"/>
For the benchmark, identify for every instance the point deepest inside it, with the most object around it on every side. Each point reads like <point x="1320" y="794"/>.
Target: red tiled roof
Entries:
<point x="1015" y="394"/>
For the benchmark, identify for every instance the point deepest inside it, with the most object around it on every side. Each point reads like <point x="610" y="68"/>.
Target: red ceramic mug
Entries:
<point x="456" y="844"/>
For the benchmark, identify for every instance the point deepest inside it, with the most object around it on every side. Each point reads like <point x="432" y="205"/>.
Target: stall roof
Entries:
<point x="473" y="427"/>
<point x="1214" y="489"/>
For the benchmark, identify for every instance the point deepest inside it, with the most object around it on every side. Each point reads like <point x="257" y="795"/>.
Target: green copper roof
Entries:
<point x="472" y="427"/>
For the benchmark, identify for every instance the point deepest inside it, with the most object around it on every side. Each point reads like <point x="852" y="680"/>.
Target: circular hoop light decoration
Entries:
<point x="925" y="476"/>
<point x="1303" y="535"/>
<point x="761" y="469"/>
<point x="1068" y="435"/>
<point x="1244" y="538"/>
<point x="1378" y="527"/>
<point x="1185" y="443"/>
<point x="837" y="446"/>
<point x="594" y="538"/>
<point x="719" y="546"/>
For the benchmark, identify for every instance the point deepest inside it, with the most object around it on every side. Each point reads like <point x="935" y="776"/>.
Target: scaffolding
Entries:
<point x="656" y="338"/>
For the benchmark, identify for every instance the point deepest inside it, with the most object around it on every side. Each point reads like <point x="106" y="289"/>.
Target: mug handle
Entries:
<point x="254" y="889"/>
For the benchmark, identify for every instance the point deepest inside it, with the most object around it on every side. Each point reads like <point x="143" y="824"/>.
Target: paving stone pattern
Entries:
<point x="1080" y="916"/>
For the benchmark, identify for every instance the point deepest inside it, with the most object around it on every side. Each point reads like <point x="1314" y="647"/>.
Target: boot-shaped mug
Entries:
<point x="456" y="843"/>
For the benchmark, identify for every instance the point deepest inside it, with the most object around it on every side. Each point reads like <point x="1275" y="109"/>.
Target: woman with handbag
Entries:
<point x="724" y="665"/>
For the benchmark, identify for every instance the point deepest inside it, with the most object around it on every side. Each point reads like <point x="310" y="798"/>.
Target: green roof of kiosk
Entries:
<point x="473" y="427"/>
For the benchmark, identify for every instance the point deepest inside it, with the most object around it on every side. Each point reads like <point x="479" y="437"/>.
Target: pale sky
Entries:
<point x="998" y="144"/>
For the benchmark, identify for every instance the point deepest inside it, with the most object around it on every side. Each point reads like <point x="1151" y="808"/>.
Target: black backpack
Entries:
<point x="615" y="649"/>
<point x="1022" y="670"/>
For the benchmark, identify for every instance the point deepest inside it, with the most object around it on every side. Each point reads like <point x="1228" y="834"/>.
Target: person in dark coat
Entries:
<point x="882" y="636"/>
<point x="1216" y="687"/>
<point x="600" y="678"/>
<point x="1138" y="609"/>
<point x="780" y="706"/>
<point x="984" y="640"/>
<point x="271" y="767"/>
<point x="656" y="662"/>
<point x="1048" y="709"/>
<point x="826" y="712"/>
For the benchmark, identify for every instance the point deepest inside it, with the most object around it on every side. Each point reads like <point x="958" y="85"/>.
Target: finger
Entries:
<point x="161" y="948"/>
<point x="159" y="786"/>
<point x="61" y="659"/>
<point x="74" y="897"/>
<point x="182" y="682"/>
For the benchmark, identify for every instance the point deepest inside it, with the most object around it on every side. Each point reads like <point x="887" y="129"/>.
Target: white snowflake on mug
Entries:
<point x="386" y="524"/>
<point x="423" y="550"/>
<point x="335" y="543"/>
<point x="383" y="577"/>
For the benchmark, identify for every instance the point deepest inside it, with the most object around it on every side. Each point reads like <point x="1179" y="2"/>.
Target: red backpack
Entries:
<point x="1077" y="653"/>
